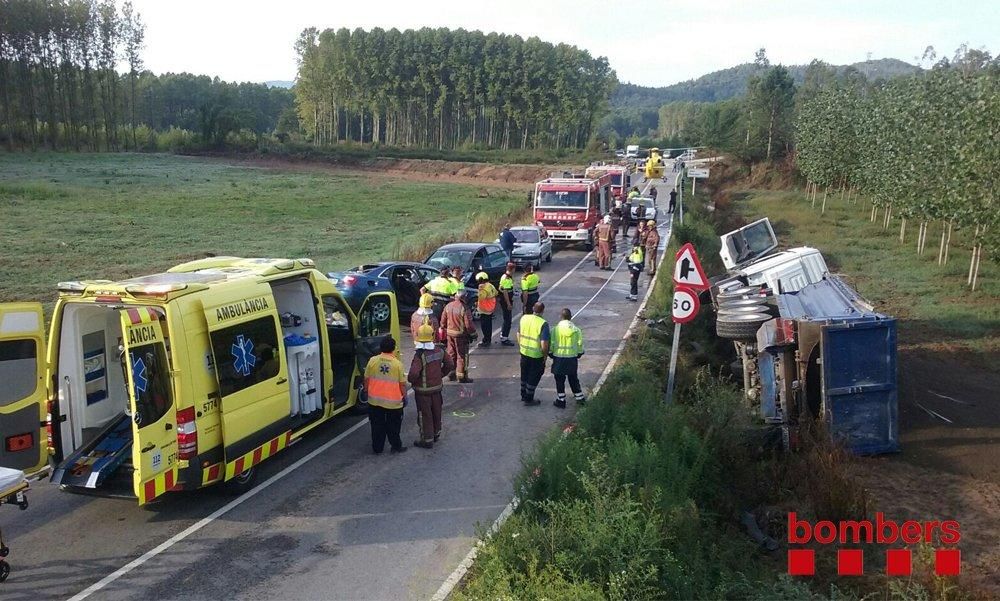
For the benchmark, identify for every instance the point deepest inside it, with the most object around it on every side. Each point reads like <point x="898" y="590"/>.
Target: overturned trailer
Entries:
<point x="809" y="346"/>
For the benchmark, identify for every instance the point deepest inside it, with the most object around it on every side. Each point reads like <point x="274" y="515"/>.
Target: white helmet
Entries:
<point x="607" y="219"/>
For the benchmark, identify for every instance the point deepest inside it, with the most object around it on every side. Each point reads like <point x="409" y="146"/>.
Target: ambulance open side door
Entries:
<point x="151" y="401"/>
<point x="377" y="320"/>
<point x="22" y="392"/>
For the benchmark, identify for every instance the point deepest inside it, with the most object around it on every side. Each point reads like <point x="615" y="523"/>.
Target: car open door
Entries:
<point x="750" y="242"/>
<point x="377" y="320"/>
<point x="151" y="401"/>
<point x="22" y="387"/>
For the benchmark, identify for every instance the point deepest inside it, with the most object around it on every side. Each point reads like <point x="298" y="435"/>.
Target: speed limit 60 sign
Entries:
<point x="686" y="304"/>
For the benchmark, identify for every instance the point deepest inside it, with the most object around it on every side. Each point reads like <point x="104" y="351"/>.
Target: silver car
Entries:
<point x="532" y="246"/>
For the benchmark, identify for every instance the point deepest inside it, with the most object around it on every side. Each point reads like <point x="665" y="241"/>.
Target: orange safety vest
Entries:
<point x="383" y="377"/>
<point x="487" y="300"/>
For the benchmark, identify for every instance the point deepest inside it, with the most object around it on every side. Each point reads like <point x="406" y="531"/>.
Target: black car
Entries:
<point x="472" y="257"/>
<point x="402" y="277"/>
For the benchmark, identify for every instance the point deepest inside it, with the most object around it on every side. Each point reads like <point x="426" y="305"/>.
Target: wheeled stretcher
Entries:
<point x="13" y="485"/>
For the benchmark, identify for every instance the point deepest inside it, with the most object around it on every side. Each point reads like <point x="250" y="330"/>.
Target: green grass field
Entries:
<point x="926" y="297"/>
<point x="71" y="216"/>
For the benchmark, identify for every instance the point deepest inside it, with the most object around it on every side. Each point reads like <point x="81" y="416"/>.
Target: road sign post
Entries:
<point x="689" y="279"/>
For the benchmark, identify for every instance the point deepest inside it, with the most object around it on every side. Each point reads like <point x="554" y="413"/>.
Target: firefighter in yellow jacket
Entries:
<point x="385" y="384"/>
<point x="486" y="303"/>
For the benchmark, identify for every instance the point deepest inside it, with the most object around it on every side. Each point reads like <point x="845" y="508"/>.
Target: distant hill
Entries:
<point x="279" y="83"/>
<point x="731" y="82"/>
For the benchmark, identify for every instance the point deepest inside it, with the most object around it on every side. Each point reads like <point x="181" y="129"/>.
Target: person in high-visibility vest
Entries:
<point x="385" y="384"/>
<point x="440" y="289"/>
<point x="604" y="233"/>
<point x="529" y="287"/>
<point x="430" y="364"/>
<point x="652" y="245"/>
<point x="456" y="280"/>
<point x="635" y="263"/>
<point x="506" y="304"/>
<point x="533" y="340"/>
<point x="456" y="321"/>
<point x="566" y="350"/>
<point x="424" y="315"/>
<point x="486" y="302"/>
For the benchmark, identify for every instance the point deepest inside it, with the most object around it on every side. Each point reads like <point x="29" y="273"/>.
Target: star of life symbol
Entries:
<point x="243" y="357"/>
<point x="139" y="375"/>
<point x="384" y="368"/>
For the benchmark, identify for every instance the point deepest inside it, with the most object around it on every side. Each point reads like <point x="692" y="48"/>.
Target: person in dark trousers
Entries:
<point x="635" y="265"/>
<point x="486" y="302"/>
<point x="533" y="339"/>
<point x="430" y="364"/>
<point x="506" y="304"/>
<point x="507" y="240"/>
<point x="385" y="384"/>
<point x="566" y="350"/>
<point x="653" y="193"/>
<point x="673" y="201"/>
<point x="529" y="287"/>
<point x="626" y="218"/>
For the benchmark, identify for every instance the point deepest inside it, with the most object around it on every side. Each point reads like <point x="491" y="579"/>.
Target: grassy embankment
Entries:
<point x="69" y="216"/>
<point x="933" y="303"/>
<point x="350" y="152"/>
<point x="642" y="501"/>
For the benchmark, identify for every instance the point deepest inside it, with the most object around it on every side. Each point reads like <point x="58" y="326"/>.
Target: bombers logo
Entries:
<point x="250" y="305"/>
<point x="850" y="562"/>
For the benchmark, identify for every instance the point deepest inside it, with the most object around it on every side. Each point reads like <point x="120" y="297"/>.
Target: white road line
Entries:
<point x="173" y="540"/>
<point x="459" y="572"/>
<point x="180" y="536"/>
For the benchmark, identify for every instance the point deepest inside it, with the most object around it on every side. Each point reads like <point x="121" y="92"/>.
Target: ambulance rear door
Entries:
<point x="22" y="387"/>
<point x="151" y="401"/>
<point x="248" y="358"/>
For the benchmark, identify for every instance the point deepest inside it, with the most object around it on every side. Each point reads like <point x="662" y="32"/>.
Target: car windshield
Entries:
<point x="755" y="240"/>
<point x="616" y="179"/>
<point x="526" y="236"/>
<point x="561" y="198"/>
<point x="451" y="258"/>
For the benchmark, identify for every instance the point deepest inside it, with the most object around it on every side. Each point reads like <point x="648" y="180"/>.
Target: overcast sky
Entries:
<point x="651" y="42"/>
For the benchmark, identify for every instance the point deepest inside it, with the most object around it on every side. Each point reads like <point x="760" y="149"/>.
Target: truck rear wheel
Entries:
<point x="739" y="326"/>
<point x="589" y="244"/>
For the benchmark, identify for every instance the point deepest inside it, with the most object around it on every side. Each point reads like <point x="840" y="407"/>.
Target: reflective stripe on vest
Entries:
<point x="529" y="336"/>
<point x="529" y="282"/>
<point x="435" y="355"/>
<point x="567" y="340"/>
<point x="382" y="384"/>
<point x="506" y="282"/>
<point x="456" y="318"/>
<point x="636" y="257"/>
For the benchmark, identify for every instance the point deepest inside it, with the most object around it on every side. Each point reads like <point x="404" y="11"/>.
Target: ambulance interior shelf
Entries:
<point x="300" y="330"/>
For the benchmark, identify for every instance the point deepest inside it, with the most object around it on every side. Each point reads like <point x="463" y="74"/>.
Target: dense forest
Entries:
<point x="444" y="89"/>
<point x="60" y="85"/>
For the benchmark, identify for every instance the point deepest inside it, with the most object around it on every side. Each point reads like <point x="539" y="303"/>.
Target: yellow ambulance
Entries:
<point x="181" y="379"/>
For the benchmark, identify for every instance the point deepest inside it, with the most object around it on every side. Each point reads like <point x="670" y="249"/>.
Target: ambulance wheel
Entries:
<point x="4" y="570"/>
<point x="241" y="483"/>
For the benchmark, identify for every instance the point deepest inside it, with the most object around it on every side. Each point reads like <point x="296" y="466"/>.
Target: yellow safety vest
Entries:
<point x="454" y="286"/>
<point x="506" y="282"/>
<point x="383" y="376"/>
<point x="567" y="339"/>
<point x="487" y="299"/>
<point x="529" y="283"/>
<point x="529" y="333"/>
<point x="636" y="256"/>
<point x="439" y="285"/>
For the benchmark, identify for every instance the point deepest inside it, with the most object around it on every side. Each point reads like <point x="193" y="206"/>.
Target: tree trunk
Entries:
<point x="947" y="244"/>
<point x="902" y="230"/>
<point x="770" y="135"/>
<point x="825" y="191"/>
<point x="972" y="263"/>
<point x="978" y="254"/>
<point x="944" y="233"/>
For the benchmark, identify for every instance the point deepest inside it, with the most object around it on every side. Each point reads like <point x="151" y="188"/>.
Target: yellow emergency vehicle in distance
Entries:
<point x="654" y="164"/>
<point x="181" y="379"/>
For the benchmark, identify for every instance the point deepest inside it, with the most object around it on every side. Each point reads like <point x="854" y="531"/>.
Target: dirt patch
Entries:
<point x="485" y="174"/>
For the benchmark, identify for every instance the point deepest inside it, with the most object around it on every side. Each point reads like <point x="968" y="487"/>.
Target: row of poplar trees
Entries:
<point x="58" y="81"/>
<point x="445" y="89"/>
<point x="923" y="148"/>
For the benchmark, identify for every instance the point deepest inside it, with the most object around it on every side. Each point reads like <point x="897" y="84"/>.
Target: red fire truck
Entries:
<point x="570" y="208"/>
<point x="621" y="178"/>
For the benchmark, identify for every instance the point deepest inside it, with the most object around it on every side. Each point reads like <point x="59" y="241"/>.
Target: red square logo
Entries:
<point x="850" y="562"/>
<point x="898" y="562"/>
<point x="947" y="562"/>
<point x="801" y="562"/>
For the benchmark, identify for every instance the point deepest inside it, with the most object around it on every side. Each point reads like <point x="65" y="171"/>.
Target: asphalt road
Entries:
<point x="328" y="519"/>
